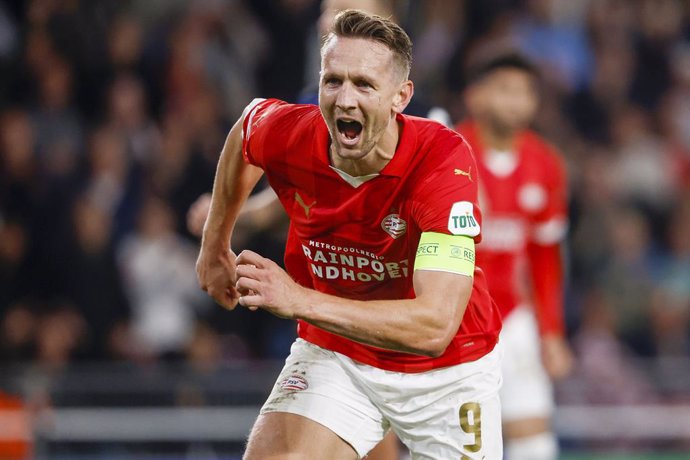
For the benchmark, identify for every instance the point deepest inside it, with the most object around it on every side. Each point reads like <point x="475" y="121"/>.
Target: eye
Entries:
<point x="331" y="81"/>
<point x="363" y="84"/>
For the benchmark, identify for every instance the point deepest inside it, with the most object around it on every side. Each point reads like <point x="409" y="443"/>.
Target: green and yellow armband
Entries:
<point x="446" y="253"/>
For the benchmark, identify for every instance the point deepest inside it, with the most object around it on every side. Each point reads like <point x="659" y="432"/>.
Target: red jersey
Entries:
<point x="358" y="239"/>
<point x="525" y="209"/>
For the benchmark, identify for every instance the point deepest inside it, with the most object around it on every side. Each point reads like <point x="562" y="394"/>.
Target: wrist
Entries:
<point x="214" y="241"/>
<point x="551" y="336"/>
<point x="303" y="303"/>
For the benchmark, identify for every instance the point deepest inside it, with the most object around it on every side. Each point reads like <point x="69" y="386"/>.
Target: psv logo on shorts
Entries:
<point x="294" y="383"/>
<point x="394" y="225"/>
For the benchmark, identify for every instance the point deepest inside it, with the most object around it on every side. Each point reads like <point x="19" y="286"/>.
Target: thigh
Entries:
<point x="452" y="413"/>
<point x="388" y="449"/>
<point x="314" y="385"/>
<point x="527" y="390"/>
<point x="280" y="435"/>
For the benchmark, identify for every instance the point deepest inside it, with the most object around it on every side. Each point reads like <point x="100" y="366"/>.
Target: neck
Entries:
<point x="376" y="159"/>
<point x="496" y="140"/>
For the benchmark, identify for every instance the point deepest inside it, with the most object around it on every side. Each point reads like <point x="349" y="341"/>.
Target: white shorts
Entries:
<point x="452" y="412"/>
<point x="527" y="391"/>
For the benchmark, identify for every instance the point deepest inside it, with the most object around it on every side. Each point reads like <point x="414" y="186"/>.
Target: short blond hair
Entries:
<point x="359" y="24"/>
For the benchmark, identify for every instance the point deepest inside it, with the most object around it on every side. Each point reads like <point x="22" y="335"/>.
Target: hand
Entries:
<point x="556" y="356"/>
<point x="196" y="216"/>
<point x="263" y="284"/>
<point x="215" y="269"/>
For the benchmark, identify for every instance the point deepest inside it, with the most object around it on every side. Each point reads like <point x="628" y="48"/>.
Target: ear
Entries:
<point x="403" y="96"/>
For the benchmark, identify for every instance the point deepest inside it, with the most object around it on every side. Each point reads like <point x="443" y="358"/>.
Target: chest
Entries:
<point x="521" y="192"/>
<point x="324" y="207"/>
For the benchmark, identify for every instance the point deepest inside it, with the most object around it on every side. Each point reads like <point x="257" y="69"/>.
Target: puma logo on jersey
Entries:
<point x="301" y="202"/>
<point x="468" y="173"/>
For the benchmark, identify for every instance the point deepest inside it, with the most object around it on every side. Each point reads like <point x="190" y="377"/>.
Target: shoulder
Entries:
<point x="275" y="111"/>
<point x="278" y="119"/>
<point x="466" y="127"/>
<point x="540" y="147"/>
<point x="443" y="156"/>
<point x="437" y="141"/>
<point x="541" y="151"/>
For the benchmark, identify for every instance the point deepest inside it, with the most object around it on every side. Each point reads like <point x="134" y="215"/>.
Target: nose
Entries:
<point x="346" y="99"/>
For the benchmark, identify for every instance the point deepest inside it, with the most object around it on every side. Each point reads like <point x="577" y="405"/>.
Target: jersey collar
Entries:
<point x="407" y="144"/>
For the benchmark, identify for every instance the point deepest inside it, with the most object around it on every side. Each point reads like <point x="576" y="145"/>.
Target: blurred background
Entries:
<point x="112" y="117"/>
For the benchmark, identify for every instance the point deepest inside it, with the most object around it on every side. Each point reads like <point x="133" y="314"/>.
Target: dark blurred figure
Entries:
<point x="128" y="115"/>
<point x="59" y="133"/>
<point x="112" y="179"/>
<point x="158" y="270"/>
<point x="629" y="275"/>
<point x="670" y="309"/>
<point x="287" y="24"/>
<point x="92" y="280"/>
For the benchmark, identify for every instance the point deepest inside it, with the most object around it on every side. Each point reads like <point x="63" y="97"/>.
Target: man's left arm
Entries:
<point x="546" y="267"/>
<point x="547" y="273"/>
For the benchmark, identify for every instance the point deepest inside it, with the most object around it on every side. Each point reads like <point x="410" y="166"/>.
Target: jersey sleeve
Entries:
<point x="258" y="121"/>
<point x="446" y="200"/>
<point x="544" y="250"/>
<point x="550" y="224"/>
<point x="546" y="273"/>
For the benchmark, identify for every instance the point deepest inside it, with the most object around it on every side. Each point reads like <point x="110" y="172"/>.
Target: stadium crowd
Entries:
<point x="113" y="113"/>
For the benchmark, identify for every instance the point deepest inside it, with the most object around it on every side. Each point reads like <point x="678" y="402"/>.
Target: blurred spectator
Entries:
<point x="660" y="23"/>
<point x="592" y="204"/>
<point x="605" y="373"/>
<point x="18" y="325"/>
<point x="643" y="169"/>
<point x="441" y="29"/>
<point x="555" y="41"/>
<point x="128" y="115"/>
<point x="9" y="46"/>
<point x="629" y="274"/>
<point x="19" y="185"/>
<point x="14" y="271"/>
<point x="287" y="24"/>
<point x="59" y="333"/>
<point x="113" y="179"/>
<point x="58" y="126"/>
<point x="670" y="310"/>
<point x="158" y="270"/>
<point x="91" y="272"/>
<point x="593" y="108"/>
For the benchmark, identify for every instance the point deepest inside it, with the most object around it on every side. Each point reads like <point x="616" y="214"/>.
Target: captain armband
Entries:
<point x="446" y="253"/>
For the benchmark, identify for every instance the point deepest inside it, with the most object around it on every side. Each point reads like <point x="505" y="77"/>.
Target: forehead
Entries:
<point x="510" y="75"/>
<point x="360" y="55"/>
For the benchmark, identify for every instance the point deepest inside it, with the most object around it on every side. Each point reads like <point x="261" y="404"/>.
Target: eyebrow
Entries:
<point x="352" y="77"/>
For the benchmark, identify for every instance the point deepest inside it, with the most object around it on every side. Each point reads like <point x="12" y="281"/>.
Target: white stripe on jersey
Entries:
<point x="250" y="110"/>
<point x="550" y="232"/>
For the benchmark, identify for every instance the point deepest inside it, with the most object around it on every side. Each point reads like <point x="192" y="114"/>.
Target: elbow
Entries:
<point x="437" y="344"/>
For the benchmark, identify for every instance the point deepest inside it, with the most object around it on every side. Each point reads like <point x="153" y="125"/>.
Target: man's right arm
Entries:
<point x="233" y="183"/>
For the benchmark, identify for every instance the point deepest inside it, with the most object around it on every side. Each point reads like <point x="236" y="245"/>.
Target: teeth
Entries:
<point x="349" y="128"/>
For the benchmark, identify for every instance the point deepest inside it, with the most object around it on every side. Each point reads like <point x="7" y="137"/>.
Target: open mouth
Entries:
<point x="349" y="130"/>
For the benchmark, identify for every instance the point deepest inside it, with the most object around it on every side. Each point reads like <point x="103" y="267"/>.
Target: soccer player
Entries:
<point x="523" y="196"/>
<point x="396" y="327"/>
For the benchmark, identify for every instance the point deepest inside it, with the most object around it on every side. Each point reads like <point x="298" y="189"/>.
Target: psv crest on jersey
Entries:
<point x="394" y="225"/>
